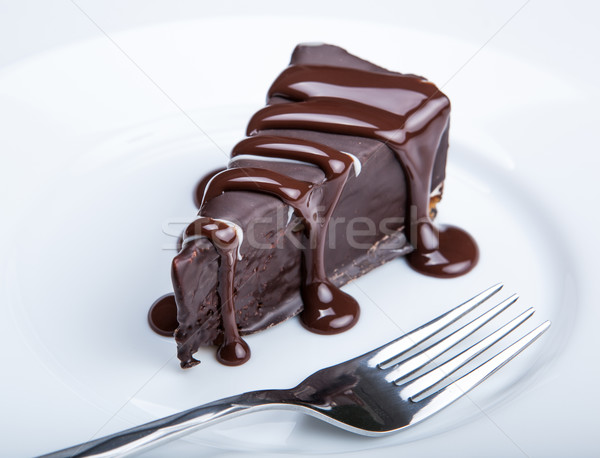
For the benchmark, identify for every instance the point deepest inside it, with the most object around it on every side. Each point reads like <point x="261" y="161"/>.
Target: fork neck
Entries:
<point x="152" y="434"/>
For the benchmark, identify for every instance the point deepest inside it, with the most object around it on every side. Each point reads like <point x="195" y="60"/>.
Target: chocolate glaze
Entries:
<point x="403" y="112"/>
<point x="406" y="113"/>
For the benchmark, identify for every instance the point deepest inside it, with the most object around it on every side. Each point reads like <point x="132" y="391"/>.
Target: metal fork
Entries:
<point x="371" y="395"/>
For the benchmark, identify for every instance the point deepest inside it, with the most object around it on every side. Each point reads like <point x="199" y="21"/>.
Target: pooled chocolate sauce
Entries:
<point x="434" y="261"/>
<point x="403" y="112"/>
<point x="162" y="316"/>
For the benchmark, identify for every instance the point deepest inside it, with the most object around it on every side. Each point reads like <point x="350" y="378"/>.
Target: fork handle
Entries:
<point x="169" y="428"/>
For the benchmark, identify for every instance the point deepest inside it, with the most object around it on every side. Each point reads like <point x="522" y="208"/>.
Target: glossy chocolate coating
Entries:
<point x="407" y="113"/>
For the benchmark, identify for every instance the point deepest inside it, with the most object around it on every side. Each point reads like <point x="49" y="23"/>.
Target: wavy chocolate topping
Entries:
<point x="325" y="98"/>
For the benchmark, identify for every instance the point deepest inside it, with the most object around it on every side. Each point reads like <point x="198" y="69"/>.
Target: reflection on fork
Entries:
<point x="378" y="393"/>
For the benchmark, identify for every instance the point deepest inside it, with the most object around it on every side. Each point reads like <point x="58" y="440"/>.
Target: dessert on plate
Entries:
<point x="340" y="173"/>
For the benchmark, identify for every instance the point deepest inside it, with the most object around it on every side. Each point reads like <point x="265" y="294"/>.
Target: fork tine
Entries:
<point x="446" y="396"/>
<point x="416" y="387"/>
<point x="416" y="362"/>
<point x="390" y="351"/>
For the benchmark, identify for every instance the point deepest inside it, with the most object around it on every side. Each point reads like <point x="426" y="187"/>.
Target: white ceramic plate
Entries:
<point x="106" y="158"/>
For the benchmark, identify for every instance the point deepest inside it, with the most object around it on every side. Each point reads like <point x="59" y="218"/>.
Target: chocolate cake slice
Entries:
<point x="340" y="173"/>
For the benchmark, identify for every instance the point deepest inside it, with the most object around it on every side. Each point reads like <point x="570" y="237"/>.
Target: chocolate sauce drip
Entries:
<point x="407" y="114"/>
<point x="224" y="237"/>
<point x="327" y="309"/>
